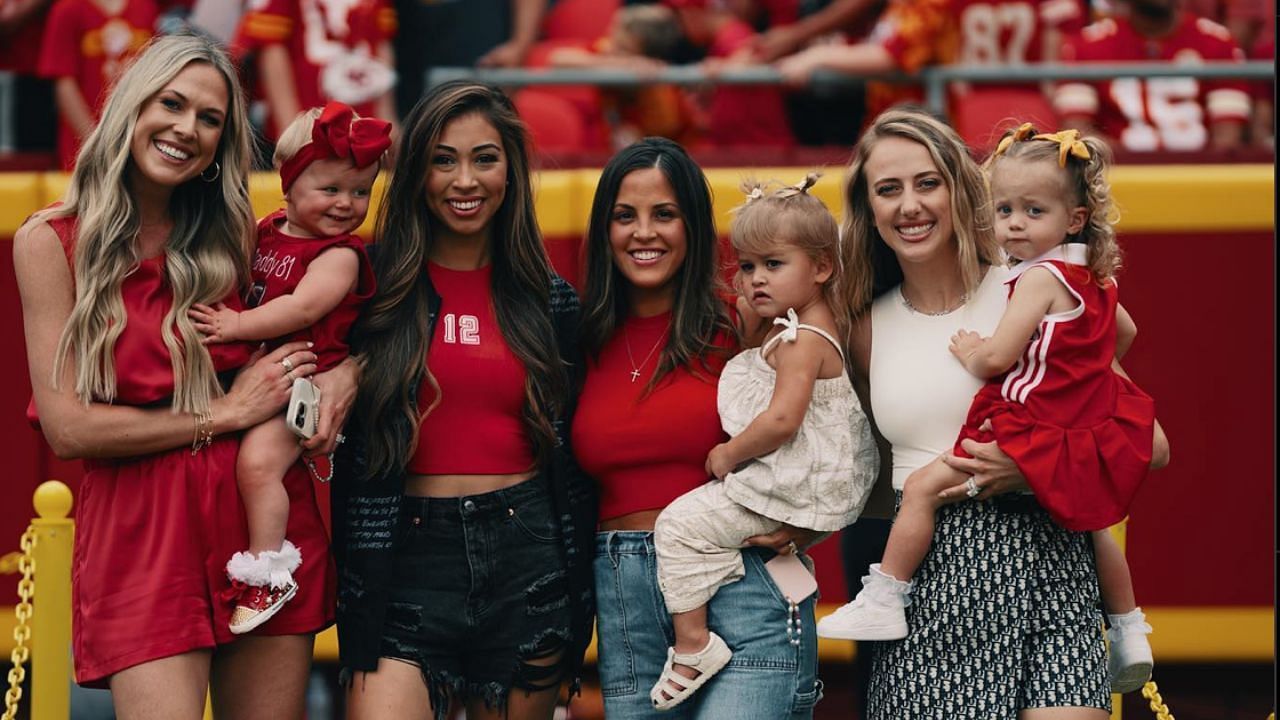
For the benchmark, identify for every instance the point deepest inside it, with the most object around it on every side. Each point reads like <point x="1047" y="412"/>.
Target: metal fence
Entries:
<point x="935" y="79"/>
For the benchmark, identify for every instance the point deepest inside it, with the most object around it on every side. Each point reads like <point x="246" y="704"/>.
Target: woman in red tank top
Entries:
<point x="656" y="333"/>
<point x="121" y="379"/>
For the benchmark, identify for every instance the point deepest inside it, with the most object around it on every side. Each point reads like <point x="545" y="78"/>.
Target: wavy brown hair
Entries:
<point x="698" y="313"/>
<point x="392" y="331"/>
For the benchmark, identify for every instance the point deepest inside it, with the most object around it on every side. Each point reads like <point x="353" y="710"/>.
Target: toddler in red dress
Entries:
<point x="1057" y="401"/>
<point x="311" y="275"/>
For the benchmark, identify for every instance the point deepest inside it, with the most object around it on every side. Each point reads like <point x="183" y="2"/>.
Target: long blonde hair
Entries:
<point x="206" y="257"/>
<point x="871" y="268"/>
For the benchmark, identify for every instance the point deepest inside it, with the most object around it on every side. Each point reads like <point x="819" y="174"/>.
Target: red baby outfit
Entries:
<point x="153" y="532"/>
<point x="1079" y="433"/>
<point x="278" y="267"/>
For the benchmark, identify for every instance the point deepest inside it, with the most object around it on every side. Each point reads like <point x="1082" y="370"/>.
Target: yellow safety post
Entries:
<point x="51" y="619"/>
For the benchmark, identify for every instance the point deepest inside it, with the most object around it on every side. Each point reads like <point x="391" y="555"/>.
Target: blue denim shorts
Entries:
<point x="769" y="676"/>
<point x="479" y="598"/>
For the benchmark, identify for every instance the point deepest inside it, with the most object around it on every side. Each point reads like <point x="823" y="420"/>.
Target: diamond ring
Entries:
<point x="971" y="487"/>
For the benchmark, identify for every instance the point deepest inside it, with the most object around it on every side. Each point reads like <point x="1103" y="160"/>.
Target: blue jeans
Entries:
<point x="767" y="678"/>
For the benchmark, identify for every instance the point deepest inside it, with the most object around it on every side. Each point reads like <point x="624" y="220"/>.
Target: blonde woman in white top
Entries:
<point x="1004" y="618"/>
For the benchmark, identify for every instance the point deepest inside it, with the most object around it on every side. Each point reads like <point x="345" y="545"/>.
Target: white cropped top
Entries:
<point x="920" y="393"/>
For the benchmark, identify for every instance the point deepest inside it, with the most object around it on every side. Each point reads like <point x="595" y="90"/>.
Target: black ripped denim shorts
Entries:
<point x="479" y="595"/>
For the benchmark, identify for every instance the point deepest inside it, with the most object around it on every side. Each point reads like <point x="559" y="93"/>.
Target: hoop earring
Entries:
<point x="217" y="170"/>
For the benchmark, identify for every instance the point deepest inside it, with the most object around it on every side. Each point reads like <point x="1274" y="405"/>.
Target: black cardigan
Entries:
<point x="366" y="513"/>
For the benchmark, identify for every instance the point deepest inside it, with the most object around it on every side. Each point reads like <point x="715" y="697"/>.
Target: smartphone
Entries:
<point x="303" y="415"/>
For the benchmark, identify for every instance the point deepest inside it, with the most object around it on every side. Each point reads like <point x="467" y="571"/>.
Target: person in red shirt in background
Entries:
<point x="787" y="28"/>
<point x="311" y="51"/>
<point x="656" y="332"/>
<point x="643" y="38"/>
<point x="826" y="116"/>
<point x="21" y="29"/>
<point x="739" y="115"/>
<point x="1263" y="93"/>
<point x="1147" y="115"/>
<point x="912" y="34"/>
<point x="85" y="46"/>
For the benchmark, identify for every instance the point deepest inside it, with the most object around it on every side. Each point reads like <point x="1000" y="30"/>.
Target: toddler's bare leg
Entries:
<point x="691" y="635"/>
<point x="912" y="531"/>
<point x="266" y="454"/>
<point x="1114" y="580"/>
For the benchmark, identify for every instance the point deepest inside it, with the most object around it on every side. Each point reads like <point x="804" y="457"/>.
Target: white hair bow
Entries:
<point x="790" y="325"/>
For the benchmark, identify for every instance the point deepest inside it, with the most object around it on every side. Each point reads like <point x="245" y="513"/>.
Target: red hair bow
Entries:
<point x="337" y="133"/>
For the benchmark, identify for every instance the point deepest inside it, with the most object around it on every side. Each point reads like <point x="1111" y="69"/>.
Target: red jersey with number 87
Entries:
<point x="918" y="33"/>
<point x="1166" y="113"/>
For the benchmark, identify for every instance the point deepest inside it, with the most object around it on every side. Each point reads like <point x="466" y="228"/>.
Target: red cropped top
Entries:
<point x="477" y="429"/>
<point x="645" y="451"/>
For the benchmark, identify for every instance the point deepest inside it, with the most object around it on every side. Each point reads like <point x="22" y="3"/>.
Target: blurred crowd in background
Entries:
<point x="59" y="56"/>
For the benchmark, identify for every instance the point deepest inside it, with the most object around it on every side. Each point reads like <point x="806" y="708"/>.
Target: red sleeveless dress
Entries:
<point x="154" y="532"/>
<point x="1080" y="433"/>
<point x="278" y="266"/>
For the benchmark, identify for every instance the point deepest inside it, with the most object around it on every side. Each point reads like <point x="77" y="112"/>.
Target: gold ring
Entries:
<point x="288" y="365"/>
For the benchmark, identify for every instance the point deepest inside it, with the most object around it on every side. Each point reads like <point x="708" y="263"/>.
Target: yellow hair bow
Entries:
<point x="1069" y="143"/>
<point x="1024" y="131"/>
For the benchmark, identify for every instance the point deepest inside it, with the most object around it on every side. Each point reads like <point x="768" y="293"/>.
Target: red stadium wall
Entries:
<point x="1198" y="279"/>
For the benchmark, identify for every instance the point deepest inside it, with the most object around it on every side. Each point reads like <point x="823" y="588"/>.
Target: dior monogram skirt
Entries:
<point x="1005" y="615"/>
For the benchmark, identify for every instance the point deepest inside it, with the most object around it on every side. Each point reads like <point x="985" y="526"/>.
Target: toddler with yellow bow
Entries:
<point x="310" y="276"/>
<point x="1056" y="401"/>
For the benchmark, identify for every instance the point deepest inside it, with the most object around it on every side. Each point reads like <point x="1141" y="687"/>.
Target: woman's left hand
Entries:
<point x="786" y="539"/>
<point x="337" y="392"/>
<point x="994" y="472"/>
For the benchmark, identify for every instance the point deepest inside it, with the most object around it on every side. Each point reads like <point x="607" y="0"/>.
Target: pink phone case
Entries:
<point x="792" y="577"/>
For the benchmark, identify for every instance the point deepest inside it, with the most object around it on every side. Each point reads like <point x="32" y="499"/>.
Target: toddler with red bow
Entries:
<point x="310" y="276"/>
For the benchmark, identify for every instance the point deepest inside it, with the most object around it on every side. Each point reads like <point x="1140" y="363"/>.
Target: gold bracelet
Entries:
<point x="204" y="431"/>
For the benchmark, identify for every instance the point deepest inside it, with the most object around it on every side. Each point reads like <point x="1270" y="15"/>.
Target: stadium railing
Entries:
<point x="935" y="79"/>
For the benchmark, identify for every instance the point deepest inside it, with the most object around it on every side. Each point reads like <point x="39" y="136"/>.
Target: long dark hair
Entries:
<point x="698" y="313"/>
<point x="392" y="331"/>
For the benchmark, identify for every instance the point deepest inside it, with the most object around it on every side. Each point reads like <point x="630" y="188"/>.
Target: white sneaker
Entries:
<point x="864" y="619"/>
<point x="1129" y="658"/>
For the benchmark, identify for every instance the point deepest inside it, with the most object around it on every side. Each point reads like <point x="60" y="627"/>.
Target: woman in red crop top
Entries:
<point x="157" y="218"/>
<point x="656" y="334"/>
<point x="456" y="502"/>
